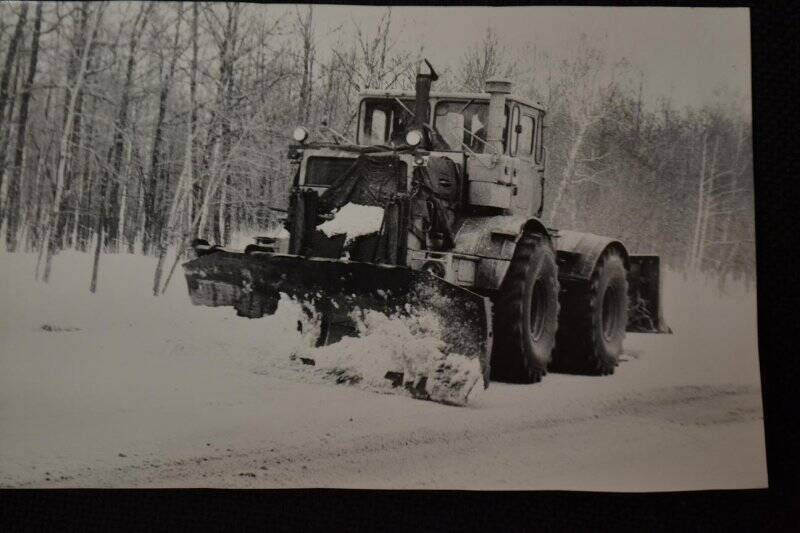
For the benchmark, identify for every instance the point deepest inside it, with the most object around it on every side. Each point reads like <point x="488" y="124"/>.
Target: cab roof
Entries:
<point x="393" y="93"/>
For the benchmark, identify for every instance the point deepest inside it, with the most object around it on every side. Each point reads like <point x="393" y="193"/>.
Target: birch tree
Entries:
<point x="156" y="185"/>
<point x="121" y="128"/>
<point x="48" y="242"/>
<point x="582" y="92"/>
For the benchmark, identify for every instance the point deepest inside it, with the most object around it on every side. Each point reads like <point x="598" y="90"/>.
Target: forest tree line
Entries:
<point x="135" y="127"/>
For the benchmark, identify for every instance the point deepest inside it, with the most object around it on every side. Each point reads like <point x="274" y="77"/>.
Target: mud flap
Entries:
<point x="645" y="310"/>
<point x="252" y="284"/>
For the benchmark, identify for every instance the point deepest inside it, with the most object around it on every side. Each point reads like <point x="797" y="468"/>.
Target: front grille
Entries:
<point x="322" y="171"/>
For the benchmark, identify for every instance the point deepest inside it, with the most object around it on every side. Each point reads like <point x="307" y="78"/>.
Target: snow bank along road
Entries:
<point x="122" y="389"/>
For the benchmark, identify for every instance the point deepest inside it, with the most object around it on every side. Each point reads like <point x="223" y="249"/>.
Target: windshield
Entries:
<point x="385" y="122"/>
<point x="464" y="122"/>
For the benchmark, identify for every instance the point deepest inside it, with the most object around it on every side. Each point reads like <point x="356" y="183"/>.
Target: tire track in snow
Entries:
<point x="383" y="456"/>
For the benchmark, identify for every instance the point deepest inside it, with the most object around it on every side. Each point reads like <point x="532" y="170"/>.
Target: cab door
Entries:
<point x="526" y="174"/>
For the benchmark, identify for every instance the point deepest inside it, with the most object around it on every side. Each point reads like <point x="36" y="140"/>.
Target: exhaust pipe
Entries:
<point x="422" y="97"/>
<point x="497" y="89"/>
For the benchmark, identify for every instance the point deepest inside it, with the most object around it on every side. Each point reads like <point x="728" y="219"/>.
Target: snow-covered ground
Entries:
<point x="122" y="388"/>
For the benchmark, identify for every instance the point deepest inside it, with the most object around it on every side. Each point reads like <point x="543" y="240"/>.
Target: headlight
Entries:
<point x="413" y="137"/>
<point x="300" y="134"/>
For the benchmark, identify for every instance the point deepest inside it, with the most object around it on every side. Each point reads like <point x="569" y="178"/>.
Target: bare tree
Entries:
<point x="121" y="129"/>
<point x="108" y="189"/>
<point x="156" y="185"/>
<point x="583" y="91"/>
<point x="489" y="59"/>
<point x="17" y="171"/>
<point x="70" y="202"/>
<point x="374" y="61"/>
<point x="11" y="55"/>
<point x="304" y="26"/>
<point x="49" y="237"/>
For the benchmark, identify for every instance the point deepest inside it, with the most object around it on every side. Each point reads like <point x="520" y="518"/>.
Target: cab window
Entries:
<point x="384" y="121"/>
<point x="465" y="122"/>
<point x="526" y="135"/>
<point x="539" y="141"/>
<point x="514" y="135"/>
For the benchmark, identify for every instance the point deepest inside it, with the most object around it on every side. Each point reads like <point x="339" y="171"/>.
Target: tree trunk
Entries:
<point x="123" y="204"/>
<point x="569" y="169"/>
<point x="157" y="188"/>
<point x="712" y="170"/>
<point x="18" y="171"/>
<point x="185" y="203"/>
<point x="96" y="259"/>
<point x="35" y="234"/>
<point x="11" y="55"/>
<point x="227" y="129"/>
<point x="734" y="248"/>
<point x="70" y="198"/>
<point x="84" y="218"/>
<point x="306" y="30"/>
<point x="121" y="127"/>
<point x="49" y="240"/>
<point x="197" y="190"/>
<point x="700" y="206"/>
<point x="218" y="170"/>
<point x="181" y="199"/>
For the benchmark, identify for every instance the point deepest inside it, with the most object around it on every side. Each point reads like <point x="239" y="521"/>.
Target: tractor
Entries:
<point x="457" y="181"/>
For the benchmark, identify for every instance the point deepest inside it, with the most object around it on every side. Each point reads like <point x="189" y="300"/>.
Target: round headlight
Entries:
<point x="413" y="137"/>
<point x="300" y="134"/>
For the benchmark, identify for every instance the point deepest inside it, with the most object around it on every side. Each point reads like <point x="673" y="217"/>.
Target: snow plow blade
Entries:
<point x="253" y="282"/>
<point x="645" y="313"/>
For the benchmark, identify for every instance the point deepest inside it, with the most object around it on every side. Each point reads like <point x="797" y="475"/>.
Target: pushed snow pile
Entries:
<point x="354" y="220"/>
<point x="410" y="346"/>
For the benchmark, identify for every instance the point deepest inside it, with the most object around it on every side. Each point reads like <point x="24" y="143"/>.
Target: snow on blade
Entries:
<point x="354" y="220"/>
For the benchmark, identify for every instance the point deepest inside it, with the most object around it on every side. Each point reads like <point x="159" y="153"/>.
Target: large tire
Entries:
<point x="526" y="313"/>
<point x="594" y="319"/>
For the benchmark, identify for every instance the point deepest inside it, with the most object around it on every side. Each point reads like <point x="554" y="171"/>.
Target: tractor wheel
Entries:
<point x="594" y="320"/>
<point x="526" y="313"/>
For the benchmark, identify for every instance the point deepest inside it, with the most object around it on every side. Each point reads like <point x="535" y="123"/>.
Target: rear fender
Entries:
<point x="577" y="255"/>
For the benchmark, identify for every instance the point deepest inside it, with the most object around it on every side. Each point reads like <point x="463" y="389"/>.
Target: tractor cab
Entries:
<point x="459" y="121"/>
<point x="495" y="140"/>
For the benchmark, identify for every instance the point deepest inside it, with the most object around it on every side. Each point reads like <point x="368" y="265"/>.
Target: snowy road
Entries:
<point x="152" y="392"/>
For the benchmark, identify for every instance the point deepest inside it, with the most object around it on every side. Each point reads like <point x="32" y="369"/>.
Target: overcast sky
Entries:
<point x="686" y="53"/>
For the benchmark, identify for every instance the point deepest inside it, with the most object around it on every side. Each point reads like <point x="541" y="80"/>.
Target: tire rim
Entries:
<point x="538" y="310"/>
<point x="611" y="310"/>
